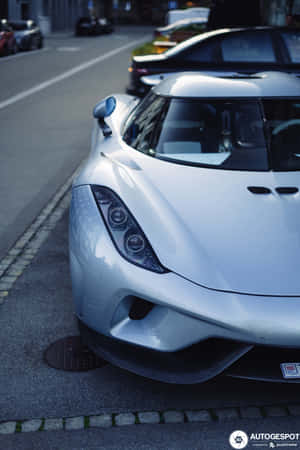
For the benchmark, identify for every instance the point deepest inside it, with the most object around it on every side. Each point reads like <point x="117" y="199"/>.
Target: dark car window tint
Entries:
<point x="139" y="131"/>
<point x="19" y="26"/>
<point x="5" y="27"/>
<point x="292" y="42"/>
<point x="248" y="47"/>
<point x="204" y="52"/>
<point x="283" y="122"/>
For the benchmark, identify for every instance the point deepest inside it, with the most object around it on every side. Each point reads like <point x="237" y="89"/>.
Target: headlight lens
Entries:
<point x="124" y="230"/>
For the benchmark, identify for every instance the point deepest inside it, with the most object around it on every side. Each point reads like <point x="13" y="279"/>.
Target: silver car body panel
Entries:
<point x="186" y="312"/>
<point x="233" y="257"/>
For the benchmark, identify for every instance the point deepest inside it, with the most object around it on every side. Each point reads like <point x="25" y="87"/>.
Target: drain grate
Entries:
<point x="71" y="355"/>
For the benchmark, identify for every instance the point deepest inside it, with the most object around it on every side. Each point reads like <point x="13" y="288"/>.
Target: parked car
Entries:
<point x="182" y="29"/>
<point x="8" y="43"/>
<point x="230" y="51"/>
<point x="93" y="26"/>
<point x="28" y="35"/>
<point x="184" y="230"/>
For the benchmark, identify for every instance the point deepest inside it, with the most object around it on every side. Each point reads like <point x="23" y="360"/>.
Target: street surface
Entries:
<point x="44" y="137"/>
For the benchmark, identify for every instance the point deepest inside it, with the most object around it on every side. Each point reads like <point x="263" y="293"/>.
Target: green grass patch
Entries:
<point x="145" y="49"/>
<point x="86" y="422"/>
<point x="42" y="425"/>
<point x="148" y="48"/>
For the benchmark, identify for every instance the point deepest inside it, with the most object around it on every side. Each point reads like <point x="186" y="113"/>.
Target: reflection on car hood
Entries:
<point x="148" y="58"/>
<point x="205" y="225"/>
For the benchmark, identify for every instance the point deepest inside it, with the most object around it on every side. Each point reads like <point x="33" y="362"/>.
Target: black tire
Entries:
<point x="29" y="46"/>
<point x="33" y="45"/>
<point x="41" y="43"/>
<point x="14" y="49"/>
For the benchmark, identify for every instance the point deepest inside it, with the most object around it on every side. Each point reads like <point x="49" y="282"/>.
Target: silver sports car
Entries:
<point x="185" y="230"/>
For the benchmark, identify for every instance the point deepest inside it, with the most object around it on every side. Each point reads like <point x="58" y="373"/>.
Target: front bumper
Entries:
<point x="182" y="314"/>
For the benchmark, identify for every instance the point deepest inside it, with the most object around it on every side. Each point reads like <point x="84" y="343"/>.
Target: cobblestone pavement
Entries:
<point x="147" y="417"/>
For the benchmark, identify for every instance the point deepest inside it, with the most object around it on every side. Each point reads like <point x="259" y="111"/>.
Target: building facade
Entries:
<point x="61" y="15"/>
<point x="52" y="15"/>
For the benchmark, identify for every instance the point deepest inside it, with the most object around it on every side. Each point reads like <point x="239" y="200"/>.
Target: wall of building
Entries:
<point x="57" y="15"/>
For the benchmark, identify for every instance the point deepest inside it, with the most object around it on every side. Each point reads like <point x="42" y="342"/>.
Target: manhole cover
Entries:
<point x="70" y="354"/>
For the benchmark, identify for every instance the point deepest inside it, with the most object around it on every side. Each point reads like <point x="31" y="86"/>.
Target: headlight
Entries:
<point x="124" y="230"/>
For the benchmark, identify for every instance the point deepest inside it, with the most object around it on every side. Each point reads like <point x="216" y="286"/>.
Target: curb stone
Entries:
<point x="106" y="420"/>
<point x="26" y="247"/>
<point x="103" y="420"/>
<point x="74" y="423"/>
<point x="149" y="417"/>
<point x="125" y="419"/>
<point x="31" y="425"/>
<point x="8" y="427"/>
<point x="173" y="417"/>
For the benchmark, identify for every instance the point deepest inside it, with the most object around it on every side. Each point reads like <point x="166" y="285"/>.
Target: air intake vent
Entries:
<point x="259" y="190"/>
<point x="140" y="309"/>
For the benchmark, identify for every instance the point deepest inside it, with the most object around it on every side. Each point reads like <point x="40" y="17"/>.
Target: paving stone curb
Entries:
<point x="105" y="420"/>
<point x="26" y="247"/>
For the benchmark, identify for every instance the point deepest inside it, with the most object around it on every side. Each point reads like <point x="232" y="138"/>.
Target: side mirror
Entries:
<point x="104" y="109"/>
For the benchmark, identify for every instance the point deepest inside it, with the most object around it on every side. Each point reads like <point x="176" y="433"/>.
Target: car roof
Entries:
<point x="264" y="84"/>
<point x="210" y="34"/>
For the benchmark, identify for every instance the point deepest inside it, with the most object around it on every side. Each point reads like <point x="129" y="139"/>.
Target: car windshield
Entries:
<point x="225" y="134"/>
<point x="283" y="125"/>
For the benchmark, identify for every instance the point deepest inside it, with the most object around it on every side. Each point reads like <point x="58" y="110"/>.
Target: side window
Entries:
<point x="203" y="52"/>
<point x="138" y="132"/>
<point x="248" y="47"/>
<point x="292" y="43"/>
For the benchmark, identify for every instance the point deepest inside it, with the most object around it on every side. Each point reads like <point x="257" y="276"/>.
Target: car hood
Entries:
<point x="206" y="226"/>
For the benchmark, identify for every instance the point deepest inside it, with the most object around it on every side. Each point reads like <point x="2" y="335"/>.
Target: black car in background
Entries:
<point x="28" y="35"/>
<point x="92" y="26"/>
<point x="226" y="51"/>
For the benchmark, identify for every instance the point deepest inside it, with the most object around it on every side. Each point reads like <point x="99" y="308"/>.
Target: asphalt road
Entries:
<point x="44" y="136"/>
